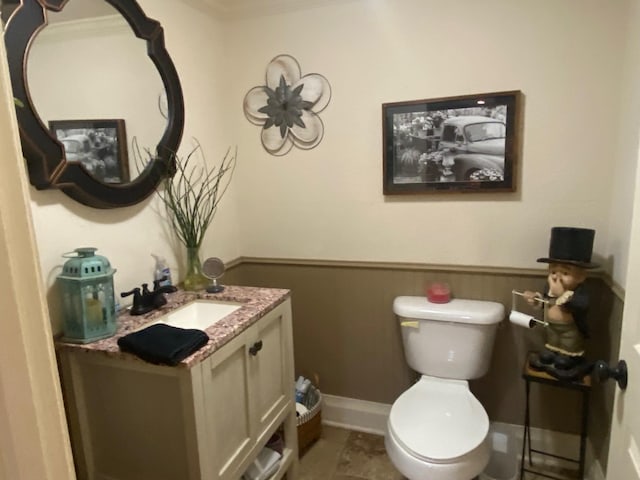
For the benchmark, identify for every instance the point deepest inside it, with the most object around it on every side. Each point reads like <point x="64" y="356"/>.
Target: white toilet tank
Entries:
<point x="448" y="340"/>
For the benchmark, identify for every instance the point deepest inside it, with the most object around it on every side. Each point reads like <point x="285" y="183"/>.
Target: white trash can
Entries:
<point x="503" y="463"/>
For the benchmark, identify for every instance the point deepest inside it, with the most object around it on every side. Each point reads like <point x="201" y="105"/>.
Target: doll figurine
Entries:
<point x="567" y="304"/>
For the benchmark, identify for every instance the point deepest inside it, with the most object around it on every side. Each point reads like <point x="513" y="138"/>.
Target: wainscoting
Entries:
<point x="347" y="336"/>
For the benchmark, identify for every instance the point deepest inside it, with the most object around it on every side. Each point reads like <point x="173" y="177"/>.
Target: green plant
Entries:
<point x="192" y="195"/>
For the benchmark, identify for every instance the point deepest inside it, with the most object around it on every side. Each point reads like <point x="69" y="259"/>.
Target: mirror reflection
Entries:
<point x="94" y="86"/>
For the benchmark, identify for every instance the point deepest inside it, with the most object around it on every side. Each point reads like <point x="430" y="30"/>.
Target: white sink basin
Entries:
<point x="200" y="314"/>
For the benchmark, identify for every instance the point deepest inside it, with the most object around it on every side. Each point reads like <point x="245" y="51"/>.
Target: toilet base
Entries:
<point x="467" y="467"/>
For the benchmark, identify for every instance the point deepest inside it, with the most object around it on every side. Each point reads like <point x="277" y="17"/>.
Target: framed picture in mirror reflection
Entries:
<point x="99" y="145"/>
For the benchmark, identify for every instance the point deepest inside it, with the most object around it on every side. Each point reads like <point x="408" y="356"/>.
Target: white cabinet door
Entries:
<point x="227" y="410"/>
<point x="272" y="380"/>
<point x="247" y="388"/>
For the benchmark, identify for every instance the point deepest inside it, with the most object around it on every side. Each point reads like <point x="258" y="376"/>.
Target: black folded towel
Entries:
<point x="163" y="344"/>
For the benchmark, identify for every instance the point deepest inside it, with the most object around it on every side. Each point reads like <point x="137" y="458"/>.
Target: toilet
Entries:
<point x="437" y="429"/>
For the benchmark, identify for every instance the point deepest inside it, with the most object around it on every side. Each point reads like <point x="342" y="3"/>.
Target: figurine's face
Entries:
<point x="564" y="277"/>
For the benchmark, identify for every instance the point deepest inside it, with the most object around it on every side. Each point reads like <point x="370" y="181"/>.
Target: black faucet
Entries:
<point x="146" y="301"/>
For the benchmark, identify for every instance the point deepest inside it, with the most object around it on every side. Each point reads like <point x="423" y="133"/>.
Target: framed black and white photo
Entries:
<point x="457" y="144"/>
<point x="99" y="145"/>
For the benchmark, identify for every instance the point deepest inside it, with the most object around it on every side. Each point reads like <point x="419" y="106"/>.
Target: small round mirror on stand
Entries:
<point x="213" y="269"/>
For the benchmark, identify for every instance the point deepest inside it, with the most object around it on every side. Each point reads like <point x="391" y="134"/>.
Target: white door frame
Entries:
<point x="34" y="441"/>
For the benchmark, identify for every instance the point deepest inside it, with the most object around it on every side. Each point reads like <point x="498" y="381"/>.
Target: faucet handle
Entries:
<point x="135" y="292"/>
<point x="137" y="308"/>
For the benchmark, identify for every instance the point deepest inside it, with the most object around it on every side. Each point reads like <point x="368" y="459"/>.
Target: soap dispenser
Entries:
<point x="162" y="273"/>
<point x="88" y="302"/>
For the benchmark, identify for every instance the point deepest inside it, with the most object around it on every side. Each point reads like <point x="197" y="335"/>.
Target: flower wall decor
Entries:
<point x="287" y="106"/>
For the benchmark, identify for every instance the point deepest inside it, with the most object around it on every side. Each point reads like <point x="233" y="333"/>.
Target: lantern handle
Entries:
<point x="80" y="252"/>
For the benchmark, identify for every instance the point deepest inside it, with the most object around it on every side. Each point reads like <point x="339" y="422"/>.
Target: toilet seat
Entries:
<point x="438" y="420"/>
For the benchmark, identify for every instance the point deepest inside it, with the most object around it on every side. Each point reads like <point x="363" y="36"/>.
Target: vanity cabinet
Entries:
<point x="135" y="421"/>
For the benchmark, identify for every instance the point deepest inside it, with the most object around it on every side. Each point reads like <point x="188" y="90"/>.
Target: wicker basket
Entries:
<point x="310" y="423"/>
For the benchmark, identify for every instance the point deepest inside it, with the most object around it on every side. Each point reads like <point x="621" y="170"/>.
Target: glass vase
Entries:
<point x="194" y="278"/>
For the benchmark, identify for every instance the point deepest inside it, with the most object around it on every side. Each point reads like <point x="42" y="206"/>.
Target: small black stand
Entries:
<point x="584" y="386"/>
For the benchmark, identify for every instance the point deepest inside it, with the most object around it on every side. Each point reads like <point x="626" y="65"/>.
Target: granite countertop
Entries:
<point x="256" y="303"/>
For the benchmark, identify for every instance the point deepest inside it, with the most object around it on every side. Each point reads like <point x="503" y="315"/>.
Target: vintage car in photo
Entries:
<point x="78" y="149"/>
<point x="472" y="148"/>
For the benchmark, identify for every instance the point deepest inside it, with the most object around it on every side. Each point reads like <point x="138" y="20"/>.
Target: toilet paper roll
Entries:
<point x="524" y="320"/>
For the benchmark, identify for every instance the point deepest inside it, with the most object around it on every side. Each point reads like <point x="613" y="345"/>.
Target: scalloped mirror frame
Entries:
<point x="45" y="155"/>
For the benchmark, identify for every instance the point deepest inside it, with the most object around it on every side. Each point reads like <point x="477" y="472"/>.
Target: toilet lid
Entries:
<point x="438" y="420"/>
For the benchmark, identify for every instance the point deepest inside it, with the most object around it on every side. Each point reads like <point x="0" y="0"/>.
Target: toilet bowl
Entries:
<point x="437" y="430"/>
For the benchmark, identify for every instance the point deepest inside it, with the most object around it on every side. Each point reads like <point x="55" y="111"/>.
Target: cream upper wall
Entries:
<point x="625" y="152"/>
<point x="328" y="203"/>
<point x="127" y="236"/>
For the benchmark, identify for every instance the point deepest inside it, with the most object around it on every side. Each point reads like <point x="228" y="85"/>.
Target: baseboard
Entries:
<point x="353" y="414"/>
<point x="371" y="417"/>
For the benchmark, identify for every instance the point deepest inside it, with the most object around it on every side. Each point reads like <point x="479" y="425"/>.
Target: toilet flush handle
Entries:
<point x="410" y="324"/>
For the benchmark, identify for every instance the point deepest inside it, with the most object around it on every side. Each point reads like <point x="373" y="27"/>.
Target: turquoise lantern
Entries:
<point x="88" y="303"/>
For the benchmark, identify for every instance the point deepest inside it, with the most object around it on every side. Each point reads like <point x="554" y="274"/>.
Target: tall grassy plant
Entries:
<point x="192" y="195"/>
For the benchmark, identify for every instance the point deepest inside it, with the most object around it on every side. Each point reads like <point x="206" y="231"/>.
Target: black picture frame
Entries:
<point x="100" y="146"/>
<point x="467" y="143"/>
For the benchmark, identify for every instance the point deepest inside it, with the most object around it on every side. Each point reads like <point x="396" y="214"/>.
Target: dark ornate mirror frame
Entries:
<point x="45" y="156"/>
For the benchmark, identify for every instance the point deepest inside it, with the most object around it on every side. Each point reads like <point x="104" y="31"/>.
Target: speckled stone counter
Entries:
<point x="256" y="302"/>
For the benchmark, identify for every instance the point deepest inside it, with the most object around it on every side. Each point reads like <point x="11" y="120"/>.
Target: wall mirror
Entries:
<point x="91" y="75"/>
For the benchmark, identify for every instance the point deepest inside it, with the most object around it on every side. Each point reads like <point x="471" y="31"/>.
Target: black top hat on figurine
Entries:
<point x="571" y="245"/>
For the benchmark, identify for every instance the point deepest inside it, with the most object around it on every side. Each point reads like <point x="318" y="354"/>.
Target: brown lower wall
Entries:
<point x="346" y="333"/>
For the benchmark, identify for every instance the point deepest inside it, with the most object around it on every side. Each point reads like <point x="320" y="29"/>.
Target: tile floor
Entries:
<point x="345" y="455"/>
<point x="341" y="454"/>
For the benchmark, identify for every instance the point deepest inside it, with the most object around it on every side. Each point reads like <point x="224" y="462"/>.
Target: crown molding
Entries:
<point x="96" y="26"/>
<point x="239" y="9"/>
